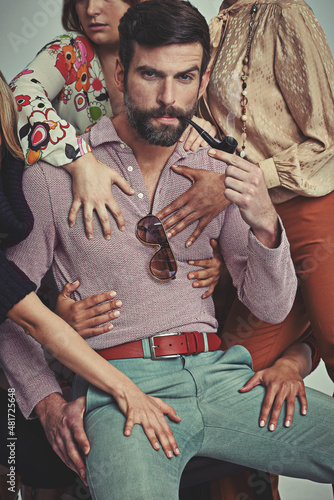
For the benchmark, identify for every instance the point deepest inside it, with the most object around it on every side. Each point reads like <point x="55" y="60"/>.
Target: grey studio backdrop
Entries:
<point x="26" y="25"/>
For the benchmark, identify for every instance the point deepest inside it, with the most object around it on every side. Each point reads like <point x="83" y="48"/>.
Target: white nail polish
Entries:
<point x="271" y="427"/>
<point x="262" y="423"/>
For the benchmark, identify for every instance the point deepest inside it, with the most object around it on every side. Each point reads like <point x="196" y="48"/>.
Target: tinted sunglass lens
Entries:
<point x="150" y="230"/>
<point x="163" y="265"/>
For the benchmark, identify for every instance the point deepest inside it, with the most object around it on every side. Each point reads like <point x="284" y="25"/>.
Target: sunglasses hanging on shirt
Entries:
<point x="150" y="231"/>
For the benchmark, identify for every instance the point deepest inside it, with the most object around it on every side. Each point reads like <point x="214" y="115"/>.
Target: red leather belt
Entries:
<point x="165" y="345"/>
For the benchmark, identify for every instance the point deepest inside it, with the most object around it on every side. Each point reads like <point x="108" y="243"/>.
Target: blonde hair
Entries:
<point x="8" y="121"/>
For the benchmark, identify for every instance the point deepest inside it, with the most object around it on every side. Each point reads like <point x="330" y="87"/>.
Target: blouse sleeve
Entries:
<point x="309" y="339"/>
<point x="15" y="285"/>
<point x="42" y="132"/>
<point x="304" y="70"/>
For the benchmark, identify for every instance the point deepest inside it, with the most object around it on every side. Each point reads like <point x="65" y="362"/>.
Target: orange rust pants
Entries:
<point x="309" y="224"/>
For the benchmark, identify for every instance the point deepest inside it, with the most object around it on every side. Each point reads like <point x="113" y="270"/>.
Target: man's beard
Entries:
<point x="164" y="135"/>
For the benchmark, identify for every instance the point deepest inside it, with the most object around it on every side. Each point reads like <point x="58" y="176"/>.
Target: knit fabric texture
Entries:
<point x="122" y="263"/>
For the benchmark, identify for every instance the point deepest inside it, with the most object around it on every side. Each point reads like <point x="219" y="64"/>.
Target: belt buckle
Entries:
<point x="152" y="346"/>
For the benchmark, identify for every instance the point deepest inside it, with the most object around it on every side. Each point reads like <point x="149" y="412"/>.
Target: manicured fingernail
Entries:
<point x="262" y="423"/>
<point x="169" y="234"/>
<point x="71" y="224"/>
<point x="170" y="454"/>
<point x="189" y="243"/>
<point x="156" y="446"/>
<point x="122" y="228"/>
<point x="108" y="237"/>
<point x="304" y="411"/>
<point x="112" y="294"/>
<point x="196" y="284"/>
<point x="288" y="423"/>
<point x="132" y="191"/>
<point x="127" y="433"/>
<point x="90" y="236"/>
<point x="191" y="276"/>
<point x="75" y="282"/>
<point x="116" y="313"/>
<point x="177" y="451"/>
<point x="212" y="152"/>
<point x="119" y="303"/>
<point x="110" y="327"/>
<point x="271" y="427"/>
<point x="191" y="262"/>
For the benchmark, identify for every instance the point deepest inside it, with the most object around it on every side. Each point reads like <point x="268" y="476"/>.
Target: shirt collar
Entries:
<point x="103" y="132"/>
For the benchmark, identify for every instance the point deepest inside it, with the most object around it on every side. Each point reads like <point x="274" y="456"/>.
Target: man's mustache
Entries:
<point x="167" y="111"/>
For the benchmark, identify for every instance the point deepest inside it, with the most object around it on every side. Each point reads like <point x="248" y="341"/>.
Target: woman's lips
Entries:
<point x="96" y="27"/>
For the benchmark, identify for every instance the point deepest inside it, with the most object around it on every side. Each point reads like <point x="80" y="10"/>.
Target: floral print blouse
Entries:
<point x="59" y="94"/>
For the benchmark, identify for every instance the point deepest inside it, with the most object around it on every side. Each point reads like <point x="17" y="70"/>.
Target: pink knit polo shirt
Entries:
<point x="264" y="277"/>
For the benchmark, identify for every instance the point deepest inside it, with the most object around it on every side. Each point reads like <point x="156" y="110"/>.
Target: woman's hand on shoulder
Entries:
<point x="92" y="181"/>
<point x="194" y="140"/>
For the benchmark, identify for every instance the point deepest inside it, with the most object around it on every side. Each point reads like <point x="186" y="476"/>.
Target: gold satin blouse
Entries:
<point x="290" y="91"/>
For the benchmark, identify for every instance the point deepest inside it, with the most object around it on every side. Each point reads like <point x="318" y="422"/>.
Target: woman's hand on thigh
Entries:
<point x="150" y="413"/>
<point x="283" y="385"/>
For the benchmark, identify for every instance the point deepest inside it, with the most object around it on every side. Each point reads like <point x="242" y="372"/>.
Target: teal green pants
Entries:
<point x="217" y="421"/>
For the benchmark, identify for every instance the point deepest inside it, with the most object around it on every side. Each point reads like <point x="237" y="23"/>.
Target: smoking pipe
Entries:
<point x="229" y="144"/>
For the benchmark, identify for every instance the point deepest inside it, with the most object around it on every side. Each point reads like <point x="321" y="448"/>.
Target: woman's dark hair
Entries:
<point x="70" y="19"/>
<point x="156" y="23"/>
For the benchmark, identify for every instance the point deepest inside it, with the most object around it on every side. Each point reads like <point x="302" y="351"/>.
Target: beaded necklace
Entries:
<point x="244" y="77"/>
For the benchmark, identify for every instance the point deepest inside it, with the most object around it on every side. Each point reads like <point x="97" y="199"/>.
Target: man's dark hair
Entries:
<point x="157" y="23"/>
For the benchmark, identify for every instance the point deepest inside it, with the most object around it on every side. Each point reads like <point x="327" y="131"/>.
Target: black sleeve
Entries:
<point x="15" y="285"/>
